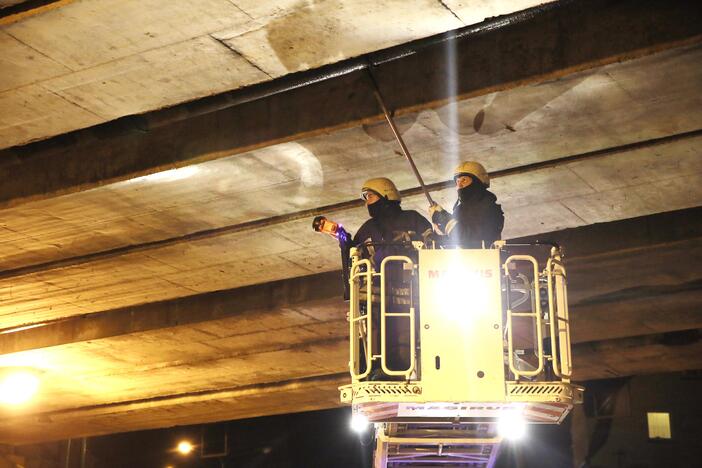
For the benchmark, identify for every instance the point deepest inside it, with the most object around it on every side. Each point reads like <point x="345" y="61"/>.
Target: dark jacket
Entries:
<point x="476" y="219"/>
<point x="395" y="226"/>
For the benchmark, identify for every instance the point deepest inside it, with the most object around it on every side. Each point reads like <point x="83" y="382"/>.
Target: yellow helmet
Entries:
<point x="473" y="168"/>
<point x="382" y="186"/>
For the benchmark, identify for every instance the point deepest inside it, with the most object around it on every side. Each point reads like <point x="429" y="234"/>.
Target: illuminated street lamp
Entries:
<point x="185" y="447"/>
<point x="17" y="387"/>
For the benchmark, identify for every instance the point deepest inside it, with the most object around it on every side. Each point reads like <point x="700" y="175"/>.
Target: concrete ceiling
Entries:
<point x="88" y="62"/>
<point x="200" y="293"/>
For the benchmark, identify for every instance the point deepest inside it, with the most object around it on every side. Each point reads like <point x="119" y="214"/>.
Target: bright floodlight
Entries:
<point x="185" y="447"/>
<point x="511" y="426"/>
<point x="18" y="387"/>
<point x="359" y="423"/>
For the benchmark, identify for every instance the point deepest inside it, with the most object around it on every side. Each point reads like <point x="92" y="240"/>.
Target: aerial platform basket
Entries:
<point x="460" y="336"/>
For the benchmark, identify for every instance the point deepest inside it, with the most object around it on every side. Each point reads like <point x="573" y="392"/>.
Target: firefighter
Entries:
<point x="477" y="219"/>
<point x="389" y="231"/>
<point x="388" y="222"/>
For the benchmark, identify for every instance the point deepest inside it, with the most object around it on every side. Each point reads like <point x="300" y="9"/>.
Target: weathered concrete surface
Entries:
<point x="630" y="265"/>
<point x="229" y="354"/>
<point x="603" y="359"/>
<point x="201" y="294"/>
<point x="495" y="58"/>
<point x="105" y="59"/>
<point x="571" y="194"/>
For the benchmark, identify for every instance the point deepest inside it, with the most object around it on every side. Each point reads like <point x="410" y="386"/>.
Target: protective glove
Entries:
<point x="431" y="239"/>
<point x="433" y="208"/>
<point x="439" y="216"/>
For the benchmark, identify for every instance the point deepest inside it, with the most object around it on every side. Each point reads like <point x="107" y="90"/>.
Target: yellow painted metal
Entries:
<point x="461" y="325"/>
<point x="384" y="314"/>
<point x="558" y="315"/>
<point x="534" y="314"/>
<point x="462" y="367"/>
<point x="360" y="325"/>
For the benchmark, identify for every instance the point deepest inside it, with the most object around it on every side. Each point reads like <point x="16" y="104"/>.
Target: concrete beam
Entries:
<point x="613" y="272"/>
<point x="542" y="43"/>
<point x="315" y="291"/>
<point x="328" y="209"/>
<point x="667" y="352"/>
<point x="650" y="354"/>
<point x="638" y="312"/>
<point x="249" y="401"/>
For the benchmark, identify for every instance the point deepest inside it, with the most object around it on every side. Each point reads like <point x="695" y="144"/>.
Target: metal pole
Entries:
<point x="68" y="454"/>
<point x="398" y="137"/>
<point x="83" y="452"/>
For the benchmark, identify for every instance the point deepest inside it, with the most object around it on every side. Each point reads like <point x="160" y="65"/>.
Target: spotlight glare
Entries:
<point x="512" y="426"/>
<point x="359" y="423"/>
<point x="185" y="447"/>
<point x="18" y="387"/>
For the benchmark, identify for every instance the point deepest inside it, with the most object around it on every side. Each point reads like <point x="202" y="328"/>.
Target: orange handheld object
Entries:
<point x="323" y="225"/>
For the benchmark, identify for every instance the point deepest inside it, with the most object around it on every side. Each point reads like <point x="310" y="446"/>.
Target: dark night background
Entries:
<point x="314" y="439"/>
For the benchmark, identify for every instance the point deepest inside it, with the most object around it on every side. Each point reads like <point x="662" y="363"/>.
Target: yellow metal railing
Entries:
<point x="368" y="345"/>
<point x="535" y="314"/>
<point x="556" y="321"/>
<point x="361" y="328"/>
<point x="384" y="314"/>
<point x="558" y="317"/>
<point x="360" y="324"/>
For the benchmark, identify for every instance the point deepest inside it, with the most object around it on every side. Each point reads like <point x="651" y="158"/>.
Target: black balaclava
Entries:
<point x="466" y="193"/>
<point x="383" y="208"/>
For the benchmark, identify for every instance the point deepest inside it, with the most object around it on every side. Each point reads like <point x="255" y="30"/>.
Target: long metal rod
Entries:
<point x="398" y="137"/>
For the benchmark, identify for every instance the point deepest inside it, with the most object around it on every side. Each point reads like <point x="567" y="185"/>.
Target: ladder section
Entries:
<point x="425" y="444"/>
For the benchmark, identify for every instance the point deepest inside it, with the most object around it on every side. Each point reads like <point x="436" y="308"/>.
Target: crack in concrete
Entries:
<point x="73" y="72"/>
<point x="581" y="179"/>
<point x="64" y="98"/>
<point x="242" y="10"/>
<point x="42" y="54"/>
<point x="452" y="12"/>
<point x="242" y="56"/>
<point x="621" y="87"/>
<point x="560" y="202"/>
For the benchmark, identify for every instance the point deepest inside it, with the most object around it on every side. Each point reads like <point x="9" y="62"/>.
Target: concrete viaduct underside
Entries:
<point x="157" y="265"/>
